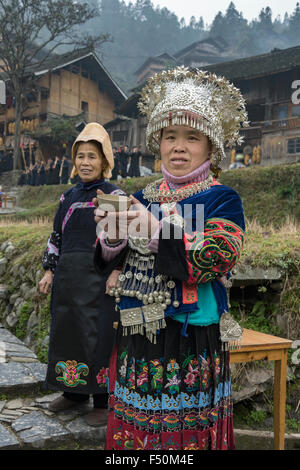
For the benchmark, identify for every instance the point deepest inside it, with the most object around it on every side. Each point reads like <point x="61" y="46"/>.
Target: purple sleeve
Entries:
<point x="109" y="252"/>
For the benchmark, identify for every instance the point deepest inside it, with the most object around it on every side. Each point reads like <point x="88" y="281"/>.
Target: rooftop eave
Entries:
<point x="65" y="64"/>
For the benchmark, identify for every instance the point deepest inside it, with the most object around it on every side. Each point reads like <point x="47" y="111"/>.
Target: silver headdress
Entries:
<point x="197" y="99"/>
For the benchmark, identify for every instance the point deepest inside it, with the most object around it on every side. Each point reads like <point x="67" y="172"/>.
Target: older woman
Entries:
<point x="169" y="379"/>
<point x="81" y="336"/>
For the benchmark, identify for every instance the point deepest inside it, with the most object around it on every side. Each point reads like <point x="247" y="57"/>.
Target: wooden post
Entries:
<point x="23" y="155"/>
<point x="279" y="400"/>
<point x="30" y="154"/>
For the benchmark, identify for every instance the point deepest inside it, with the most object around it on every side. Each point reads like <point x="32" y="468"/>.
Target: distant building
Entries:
<point x="153" y="65"/>
<point x="208" y="51"/>
<point x="70" y="84"/>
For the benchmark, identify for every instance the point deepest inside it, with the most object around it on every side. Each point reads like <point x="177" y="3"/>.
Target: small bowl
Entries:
<point x="112" y="202"/>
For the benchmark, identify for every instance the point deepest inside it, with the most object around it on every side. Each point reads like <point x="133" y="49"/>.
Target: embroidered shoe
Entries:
<point x="62" y="403"/>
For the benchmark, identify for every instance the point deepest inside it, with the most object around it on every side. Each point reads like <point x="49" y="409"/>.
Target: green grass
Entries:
<point x="281" y="250"/>
<point x="269" y="194"/>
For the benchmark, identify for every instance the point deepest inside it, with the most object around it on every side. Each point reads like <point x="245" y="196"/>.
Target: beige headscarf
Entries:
<point x="94" y="131"/>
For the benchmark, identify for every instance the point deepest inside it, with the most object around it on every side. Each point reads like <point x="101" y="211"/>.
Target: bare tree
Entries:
<point x="30" y="32"/>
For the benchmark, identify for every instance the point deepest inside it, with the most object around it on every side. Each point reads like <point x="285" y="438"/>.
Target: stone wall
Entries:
<point x="23" y="310"/>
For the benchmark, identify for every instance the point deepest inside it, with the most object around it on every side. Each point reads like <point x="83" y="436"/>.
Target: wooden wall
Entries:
<point x="69" y="90"/>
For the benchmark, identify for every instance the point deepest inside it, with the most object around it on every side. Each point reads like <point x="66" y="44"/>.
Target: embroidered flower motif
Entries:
<point x="143" y="378"/>
<point x="142" y="375"/>
<point x="122" y="371"/>
<point x="173" y="383"/>
<point x="172" y="375"/>
<point x="206" y="372"/>
<point x="172" y="365"/>
<point x="131" y="374"/>
<point x="156" y="370"/>
<point x="155" y="423"/>
<point x="71" y="372"/>
<point x="102" y="376"/>
<point x="142" y="444"/>
<point x="123" y="368"/>
<point x="171" y="421"/>
<point x="192" y="375"/>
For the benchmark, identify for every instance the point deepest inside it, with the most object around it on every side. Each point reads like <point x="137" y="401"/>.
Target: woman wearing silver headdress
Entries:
<point x="169" y="379"/>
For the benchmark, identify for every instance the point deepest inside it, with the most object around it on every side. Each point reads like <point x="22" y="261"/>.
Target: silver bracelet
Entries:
<point x="112" y="245"/>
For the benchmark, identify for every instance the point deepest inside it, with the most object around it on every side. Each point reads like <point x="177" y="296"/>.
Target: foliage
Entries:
<point x="43" y="328"/>
<point x="255" y="417"/>
<point x="23" y="319"/>
<point x="58" y="129"/>
<point x="260" y="317"/>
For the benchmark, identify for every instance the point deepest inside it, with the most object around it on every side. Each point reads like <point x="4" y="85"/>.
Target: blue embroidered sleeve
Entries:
<point x="52" y="252"/>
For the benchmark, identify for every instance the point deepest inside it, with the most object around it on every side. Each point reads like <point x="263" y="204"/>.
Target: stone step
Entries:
<point x="34" y="427"/>
<point x="25" y="421"/>
<point x="20" y="370"/>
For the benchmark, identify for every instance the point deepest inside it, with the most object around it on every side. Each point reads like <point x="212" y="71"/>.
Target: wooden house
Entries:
<point x="70" y="84"/>
<point x="208" y="51"/>
<point x="153" y="65"/>
<point x="211" y="50"/>
<point x="270" y="84"/>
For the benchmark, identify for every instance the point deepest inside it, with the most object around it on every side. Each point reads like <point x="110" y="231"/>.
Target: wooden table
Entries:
<point x="5" y="199"/>
<point x="256" y="346"/>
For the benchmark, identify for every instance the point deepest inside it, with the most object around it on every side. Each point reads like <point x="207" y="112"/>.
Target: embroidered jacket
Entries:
<point x="198" y="255"/>
<point x="71" y="202"/>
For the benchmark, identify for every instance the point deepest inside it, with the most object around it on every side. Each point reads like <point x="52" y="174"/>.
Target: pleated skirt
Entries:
<point x="172" y="395"/>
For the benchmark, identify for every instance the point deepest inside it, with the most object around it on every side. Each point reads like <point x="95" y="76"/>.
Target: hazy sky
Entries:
<point x="209" y="8"/>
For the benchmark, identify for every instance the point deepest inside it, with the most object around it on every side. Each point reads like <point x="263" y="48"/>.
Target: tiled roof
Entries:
<point x="279" y="60"/>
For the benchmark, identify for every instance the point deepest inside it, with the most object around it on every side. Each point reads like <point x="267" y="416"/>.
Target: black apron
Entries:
<point x="82" y="333"/>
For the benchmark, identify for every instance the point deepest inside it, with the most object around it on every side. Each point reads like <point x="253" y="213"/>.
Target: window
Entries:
<point x="75" y="70"/>
<point x="45" y="93"/>
<point x="294" y="146"/>
<point x="296" y="111"/>
<point x="32" y="96"/>
<point x="280" y="111"/>
<point x="119" y="136"/>
<point x="84" y="106"/>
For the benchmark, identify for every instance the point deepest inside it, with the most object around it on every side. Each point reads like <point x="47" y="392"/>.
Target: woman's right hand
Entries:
<point x="46" y="282"/>
<point x="99" y="214"/>
<point x="113" y="280"/>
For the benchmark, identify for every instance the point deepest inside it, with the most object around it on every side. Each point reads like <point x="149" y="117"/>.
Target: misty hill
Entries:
<point x="139" y="31"/>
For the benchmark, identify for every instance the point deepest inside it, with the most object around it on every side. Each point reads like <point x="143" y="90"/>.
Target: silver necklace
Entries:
<point x="153" y="194"/>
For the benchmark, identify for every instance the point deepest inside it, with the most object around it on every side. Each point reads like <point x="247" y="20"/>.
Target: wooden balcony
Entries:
<point x="258" y="128"/>
<point x="289" y="123"/>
